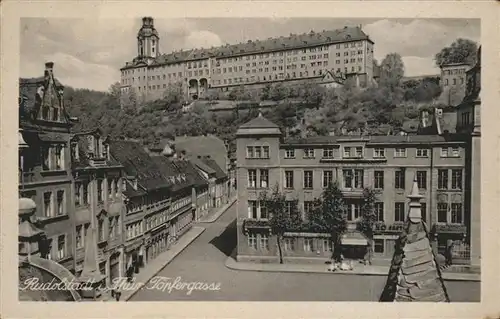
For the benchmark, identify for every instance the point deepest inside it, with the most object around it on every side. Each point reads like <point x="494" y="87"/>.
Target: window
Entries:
<point x="328" y="152"/>
<point x="252" y="241"/>
<point x="347" y="151"/>
<point x="250" y="152"/>
<point x="379" y="179"/>
<point x="456" y="179"/>
<point x="327" y="178"/>
<point x="400" y="152"/>
<point x="422" y="152"/>
<point x="308" y="179"/>
<point x="59" y="154"/>
<point x="308" y="244"/>
<point x="309" y="153"/>
<point x="264" y="178"/>
<point x="100" y="230"/>
<point x="327" y="245"/>
<point x="79" y="237"/>
<point x="455" y="152"/>
<point x="444" y="152"/>
<point x="308" y="206"/>
<point x="399" y="179"/>
<point x="399" y="212"/>
<point x="100" y="194"/>
<point x="442" y="212"/>
<point x="379" y="211"/>
<point x="379" y="152"/>
<point x="456" y="213"/>
<point x="290" y="153"/>
<point x="422" y="179"/>
<point x="60" y="203"/>
<point x="252" y="178"/>
<point x="46" y="157"/>
<point x="47" y="204"/>
<point x="110" y="188"/>
<point x="423" y="209"/>
<point x="61" y="247"/>
<point x="442" y="179"/>
<point x="348" y="177"/>
<point x="353" y="211"/>
<point x="264" y="242"/>
<point x="289" y="244"/>
<point x="263" y="210"/>
<point x="289" y="206"/>
<point x="252" y="209"/>
<point x="378" y="246"/>
<point x="265" y="152"/>
<point x="86" y="194"/>
<point x="353" y="178"/>
<point x="358" y="152"/>
<point x="78" y="199"/>
<point x="288" y="179"/>
<point x="258" y="151"/>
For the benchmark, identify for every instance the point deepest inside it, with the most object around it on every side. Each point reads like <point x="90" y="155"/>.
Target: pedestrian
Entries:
<point x="118" y="294"/>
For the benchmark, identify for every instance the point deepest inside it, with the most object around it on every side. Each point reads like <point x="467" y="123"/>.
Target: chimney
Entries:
<point x="49" y="68"/>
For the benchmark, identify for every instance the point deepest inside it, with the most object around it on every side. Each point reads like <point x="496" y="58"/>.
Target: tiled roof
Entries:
<point x="137" y="162"/>
<point x="201" y="165"/>
<point x="414" y="274"/>
<point x="28" y="93"/>
<point x="219" y="173"/>
<point x="191" y="171"/>
<point x="172" y="172"/>
<point x="294" y="41"/>
<point x="259" y="122"/>
<point x="209" y="145"/>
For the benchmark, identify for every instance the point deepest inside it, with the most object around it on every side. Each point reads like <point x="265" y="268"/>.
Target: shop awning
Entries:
<point x="354" y="238"/>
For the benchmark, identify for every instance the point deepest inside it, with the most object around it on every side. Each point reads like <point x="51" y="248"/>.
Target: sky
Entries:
<point x="89" y="53"/>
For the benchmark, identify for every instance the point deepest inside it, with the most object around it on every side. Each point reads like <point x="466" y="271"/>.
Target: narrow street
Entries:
<point x="203" y="261"/>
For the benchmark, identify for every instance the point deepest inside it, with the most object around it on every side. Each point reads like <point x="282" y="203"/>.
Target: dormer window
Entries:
<point x="74" y="152"/>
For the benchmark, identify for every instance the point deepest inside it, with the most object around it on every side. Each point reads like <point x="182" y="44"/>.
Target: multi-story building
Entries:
<point x="159" y="203"/>
<point x="296" y="57"/>
<point x="45" y="162"/>
<point x="302" y="168"/>
<point x="464" y="122"/>
<point x="453" y="76"/>
<point x="98" y="203"/>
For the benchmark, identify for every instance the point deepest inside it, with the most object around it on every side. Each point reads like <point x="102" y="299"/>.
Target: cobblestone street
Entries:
<point x="203" y="261"/>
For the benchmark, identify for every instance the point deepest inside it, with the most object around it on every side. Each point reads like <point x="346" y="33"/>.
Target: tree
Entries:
<point x="328" y="215"/>
<point x="460" y="51"/>
<point x="280" y="218"/>
<point x="278" y="92"/>
<point x="368" y="218"/>
<point x="392" y="70"/>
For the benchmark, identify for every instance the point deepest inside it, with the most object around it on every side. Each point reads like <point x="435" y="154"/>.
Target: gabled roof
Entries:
<point x="209" y="145"/>
<point x="177" y="178"/>
<point x="34" y="92"/>
<point x="259" y="122"/>
<point x="137" y="162"/>
<point x="219" y="173"/>
<point x="202" y="166"/>
<point x="414" y="274"/>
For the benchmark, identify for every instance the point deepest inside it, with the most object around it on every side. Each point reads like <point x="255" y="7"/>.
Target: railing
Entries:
<point x="26" y="177"/>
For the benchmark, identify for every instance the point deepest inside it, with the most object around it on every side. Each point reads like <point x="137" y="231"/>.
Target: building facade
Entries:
<point x="453" y="82"/>
<point x="98" y="203"/>
<point x="388" y="164"/>
<point x="294" y="57"/>
<point x="45" y="163"/>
